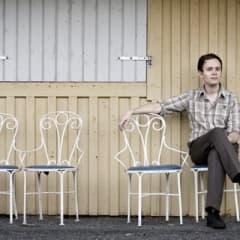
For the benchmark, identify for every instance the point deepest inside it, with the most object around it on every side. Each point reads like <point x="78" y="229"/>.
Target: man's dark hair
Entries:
<point x="206" y="57"/>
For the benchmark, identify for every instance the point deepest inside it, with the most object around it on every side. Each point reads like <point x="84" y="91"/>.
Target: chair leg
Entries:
<point x="14" y="199"/>
<point x="61" y="198"/>
<point x="202" y="195"/>
<point x="129" y="198"/>
<point x="180" y="196"/>
<point x="167" y="196"/>
<point x="76" y="195"/>
<point x="24" y="197"/>
<point x="140" y="200"/>
<point x="11" y="197"/>
<point x="236" y="201"/>
<point x="39" y="185"/>
<point x="195" y="174"/>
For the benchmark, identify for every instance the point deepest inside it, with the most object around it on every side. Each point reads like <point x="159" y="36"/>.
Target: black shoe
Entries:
<point x="214" y="220"/>
<point x="236" y="179"/>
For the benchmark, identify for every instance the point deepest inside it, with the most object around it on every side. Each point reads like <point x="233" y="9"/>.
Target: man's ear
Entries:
<point x="200" y="74"/>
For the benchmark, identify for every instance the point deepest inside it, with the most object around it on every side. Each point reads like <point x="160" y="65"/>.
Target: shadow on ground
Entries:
<point x="114" y="228"/>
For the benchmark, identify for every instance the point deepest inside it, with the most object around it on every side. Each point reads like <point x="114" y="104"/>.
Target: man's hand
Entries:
<point x="147" y="108"/>
<point x="233" y="137"/>
<point x="125" y="119"/>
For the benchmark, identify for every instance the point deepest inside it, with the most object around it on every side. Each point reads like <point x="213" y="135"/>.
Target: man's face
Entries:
<point x="212" y="72"/>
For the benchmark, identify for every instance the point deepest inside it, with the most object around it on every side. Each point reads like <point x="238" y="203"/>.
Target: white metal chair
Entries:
<point x="144" y="140"/>
<point x="8" y="132"/>
<point x="64" y="125"/>
<point x="198" y="174"/>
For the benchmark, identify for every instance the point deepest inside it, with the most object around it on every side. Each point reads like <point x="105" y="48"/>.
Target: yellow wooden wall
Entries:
<point x="178" y="32"/>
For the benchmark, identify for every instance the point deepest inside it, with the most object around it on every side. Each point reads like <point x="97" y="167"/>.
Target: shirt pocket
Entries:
<point x="221" y="115"/>
<point x="199" y="113"/>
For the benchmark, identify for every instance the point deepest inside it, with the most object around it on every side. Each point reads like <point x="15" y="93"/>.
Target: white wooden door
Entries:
<point x="72" y="40"/>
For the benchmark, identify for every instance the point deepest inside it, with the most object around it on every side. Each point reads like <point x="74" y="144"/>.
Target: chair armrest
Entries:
<point x="22" y="154"/>
<point x="81" y="153"/>
<point x="116" y="157"/>
<point x="184" y="155"/>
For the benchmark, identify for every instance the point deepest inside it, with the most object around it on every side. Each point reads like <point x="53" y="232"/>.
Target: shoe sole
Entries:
<point x="215" y="227"/>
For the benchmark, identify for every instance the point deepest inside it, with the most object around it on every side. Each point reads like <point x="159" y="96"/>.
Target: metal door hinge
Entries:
<point x="148" y="59"/>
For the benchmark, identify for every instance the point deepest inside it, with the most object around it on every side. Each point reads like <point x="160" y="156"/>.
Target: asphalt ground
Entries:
<point x="115" y="228"/>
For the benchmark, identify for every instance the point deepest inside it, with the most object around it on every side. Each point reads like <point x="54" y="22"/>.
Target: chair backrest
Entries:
<point x="8" y="132"/>
<point x="62" y="129"/>
<point x="145" y="143"/>
<point x="140" y="137"/>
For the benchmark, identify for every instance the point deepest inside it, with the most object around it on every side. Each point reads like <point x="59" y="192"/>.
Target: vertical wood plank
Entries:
<point x="141" y="39"/>
<point x="115" y="41"/>
<point x="136" y="145"/>
<point x="185" y="43"/>
<point x="93" y="156"/>
<point x="26" y="139"/>
<point x="10" y="40"/>
<point x="166" y="75"/>
<point x="103" y="157"/>
<point x="41" y="107"/>
<point x="124" y="105"/>
<point x="222" y="33"/>
<point x="154" y="73"/>
<point x="89" y="44"/>
<point x="62" y="104"/>
<point x="204" y="30"/>
<point x="23" y="41"/>
<point x="213" y="26"/>
<point x="10" y="108"/>
<point x="188" y="204"/>
<point x="3" y="142"/>
<point x="231" y="77"/>
<point x="62" y="43"/>
<point x="102" y="48"/>
<point x="83" y="182"/>
<point x="194" y="43"/>
<point x="49" y="41"/>
<point x="76" y="41"/>
<point x="128" y="36"/>
<point x="176" y="47"/>
<point x="2" y="47"/>
<point x="52" y="179"/>
<point x="166" y="50"/>
<point x="231" y="44"/>
<point x="71" y="106"/>
<point x="36" y="47"/>
<point x="156" y="202"/>
<point x="175" y="128"/>
<point x="114" y="166"/>
<point x="222" y="49"/>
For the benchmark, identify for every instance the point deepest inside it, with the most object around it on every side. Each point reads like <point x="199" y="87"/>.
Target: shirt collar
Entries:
<point x="222" y="92"/>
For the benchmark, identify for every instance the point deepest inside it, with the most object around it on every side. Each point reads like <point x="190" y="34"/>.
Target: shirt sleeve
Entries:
<point x="175" y="104"/>
<point x="233" y="124"/>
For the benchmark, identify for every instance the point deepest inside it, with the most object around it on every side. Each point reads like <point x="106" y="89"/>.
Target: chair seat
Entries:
<point x="49" y="168"/>
<point x="8" y="167"/>
<point x="200" y="167"/>
<point x="154" y="168"/>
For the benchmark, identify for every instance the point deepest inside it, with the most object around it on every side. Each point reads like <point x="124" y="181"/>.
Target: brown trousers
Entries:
<point x="221" y="156"/>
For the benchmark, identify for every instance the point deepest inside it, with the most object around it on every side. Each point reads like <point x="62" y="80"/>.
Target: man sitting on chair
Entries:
<point x="214" y="119"/>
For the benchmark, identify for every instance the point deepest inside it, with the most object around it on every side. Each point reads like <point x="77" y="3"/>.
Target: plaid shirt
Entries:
<point x="204" y="115"/>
